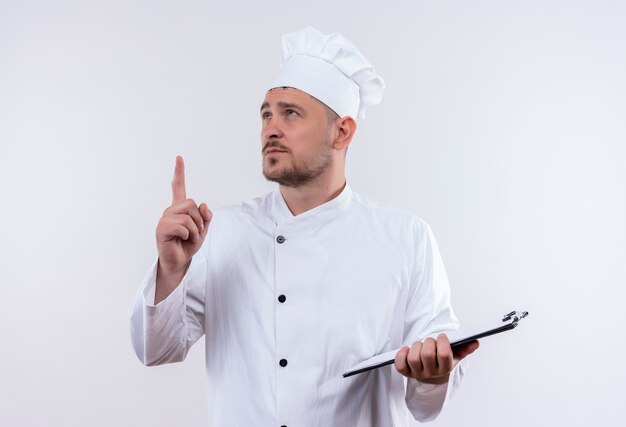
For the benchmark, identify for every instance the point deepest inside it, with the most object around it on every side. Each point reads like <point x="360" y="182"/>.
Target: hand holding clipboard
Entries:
<point x="457" y="339"/>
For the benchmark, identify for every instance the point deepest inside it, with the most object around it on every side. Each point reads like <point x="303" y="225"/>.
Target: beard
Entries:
<point x="300" y="172"/>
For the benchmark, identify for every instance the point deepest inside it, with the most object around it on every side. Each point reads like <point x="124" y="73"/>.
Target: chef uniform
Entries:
<point x="289" y="303"/>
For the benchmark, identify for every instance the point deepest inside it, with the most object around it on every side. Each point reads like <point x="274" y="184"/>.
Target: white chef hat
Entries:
<point x="331" y="69"/>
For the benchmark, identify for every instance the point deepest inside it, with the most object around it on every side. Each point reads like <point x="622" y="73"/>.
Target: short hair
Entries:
<point x="331" y="116"/>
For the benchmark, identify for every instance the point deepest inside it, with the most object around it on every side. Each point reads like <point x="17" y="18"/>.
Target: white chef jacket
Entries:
<point x="289" y="303"/>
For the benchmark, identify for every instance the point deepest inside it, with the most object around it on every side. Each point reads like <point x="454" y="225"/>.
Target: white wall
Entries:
<point x="503" y="126"/>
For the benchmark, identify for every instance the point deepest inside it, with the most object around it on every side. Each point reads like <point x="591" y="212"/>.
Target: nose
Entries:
<point x="271" y="129"/>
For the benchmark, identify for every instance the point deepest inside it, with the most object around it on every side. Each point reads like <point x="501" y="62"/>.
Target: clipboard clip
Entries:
<point x="515" y="315"/>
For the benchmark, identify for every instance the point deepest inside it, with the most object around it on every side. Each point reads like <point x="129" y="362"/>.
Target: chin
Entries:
<point x="273" y="167"/>
<point x="271" y="172"/>
<point x="273" y="175"/>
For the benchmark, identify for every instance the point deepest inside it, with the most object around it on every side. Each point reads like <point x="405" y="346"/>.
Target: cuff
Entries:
<point x="425" y="401"/>
<point x="174" y="299"/>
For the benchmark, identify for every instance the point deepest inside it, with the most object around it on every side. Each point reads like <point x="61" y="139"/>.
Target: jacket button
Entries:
<point x="283" y="362"/>
<point x="282" y="298"/>
<point x="280" y="239"/>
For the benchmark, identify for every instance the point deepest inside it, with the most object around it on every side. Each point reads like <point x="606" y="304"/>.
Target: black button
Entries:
<point x="280" y="239"/>
<point x="283" y="426"/>
<point x="283" y="362"/>
<point x="282" y="298"/>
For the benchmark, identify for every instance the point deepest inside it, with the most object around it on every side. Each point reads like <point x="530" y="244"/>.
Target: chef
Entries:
<point x="293" y="288"/>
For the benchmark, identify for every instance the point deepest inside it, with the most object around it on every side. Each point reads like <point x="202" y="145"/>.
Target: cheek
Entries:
<point x="306" y="137"/>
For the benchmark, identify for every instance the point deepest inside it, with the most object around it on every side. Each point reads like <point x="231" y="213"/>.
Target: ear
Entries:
<point x="346" y="127"/>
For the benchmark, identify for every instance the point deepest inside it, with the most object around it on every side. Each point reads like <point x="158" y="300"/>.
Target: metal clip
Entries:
<point x="515" y="315"/>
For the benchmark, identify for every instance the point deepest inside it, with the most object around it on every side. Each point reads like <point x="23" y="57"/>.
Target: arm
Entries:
<point x="164" y="332"/>
<point x="433" y="371"/>
<point x="167" y="314"/>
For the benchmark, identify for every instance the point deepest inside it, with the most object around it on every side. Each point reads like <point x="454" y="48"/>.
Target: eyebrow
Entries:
<point x="283" y="105"/>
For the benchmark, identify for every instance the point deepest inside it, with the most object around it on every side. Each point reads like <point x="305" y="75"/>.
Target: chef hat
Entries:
<point x="331" y="69"/>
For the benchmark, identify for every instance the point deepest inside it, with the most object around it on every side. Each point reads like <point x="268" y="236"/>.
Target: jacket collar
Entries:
<point x="321" y="214"/>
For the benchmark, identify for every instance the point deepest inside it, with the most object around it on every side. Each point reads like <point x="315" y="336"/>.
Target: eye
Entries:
<point x="266" y="115"/>
<point x="291" y="113"/>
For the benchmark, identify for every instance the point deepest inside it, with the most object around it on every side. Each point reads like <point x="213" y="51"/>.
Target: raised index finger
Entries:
<point x="178" y="183"/>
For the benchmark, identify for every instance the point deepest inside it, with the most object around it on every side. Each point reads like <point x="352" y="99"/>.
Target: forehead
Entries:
<point x="292" y="96"/>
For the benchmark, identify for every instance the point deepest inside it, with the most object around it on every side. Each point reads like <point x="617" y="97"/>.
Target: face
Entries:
<point x="295" y="137"/>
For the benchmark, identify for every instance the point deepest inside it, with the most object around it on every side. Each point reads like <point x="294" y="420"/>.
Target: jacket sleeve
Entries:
<point x="429" y="312"/>
<point x="164" y="333"/>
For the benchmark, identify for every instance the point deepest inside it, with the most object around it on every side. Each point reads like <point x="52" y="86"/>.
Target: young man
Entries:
<point x="294" y="288"/>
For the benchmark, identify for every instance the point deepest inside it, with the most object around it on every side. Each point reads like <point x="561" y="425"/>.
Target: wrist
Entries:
<point x="436" y="380"/>
<point x="168" y="270"/>
<point x="167" y="280"/>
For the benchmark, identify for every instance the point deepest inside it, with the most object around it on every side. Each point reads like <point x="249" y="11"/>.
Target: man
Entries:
<point x="294" y="288"/>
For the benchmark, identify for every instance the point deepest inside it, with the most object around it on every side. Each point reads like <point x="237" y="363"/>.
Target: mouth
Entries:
<point x="273" y="151"/>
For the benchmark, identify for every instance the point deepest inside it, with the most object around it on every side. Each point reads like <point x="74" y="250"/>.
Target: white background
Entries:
<point x="503" y="126"/>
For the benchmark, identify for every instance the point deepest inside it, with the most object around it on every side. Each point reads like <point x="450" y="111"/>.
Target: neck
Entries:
<point x="311" y="195"/>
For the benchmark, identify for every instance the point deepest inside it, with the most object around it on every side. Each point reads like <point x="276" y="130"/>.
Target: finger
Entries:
<point x="179" y="192"/>
<point x="444" y="354"/>
<point x="187" y="207"/>
<point x="414" y="360"/>
<point x="466" y="349"/>
<point x="187" y="222"/>
<point x="400" y="362"/>
<point x="428" y="356"/>
<point x="172" y="230"/>
<point x="206" y="215"/>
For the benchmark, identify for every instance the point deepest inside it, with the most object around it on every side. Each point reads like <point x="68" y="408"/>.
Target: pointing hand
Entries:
<point x="181" y="230"/>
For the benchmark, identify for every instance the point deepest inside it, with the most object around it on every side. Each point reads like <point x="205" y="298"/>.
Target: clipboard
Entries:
<point x="457" y="338"/>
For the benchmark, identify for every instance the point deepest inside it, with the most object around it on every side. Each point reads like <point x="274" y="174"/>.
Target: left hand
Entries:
<point x="432" y="361"/>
